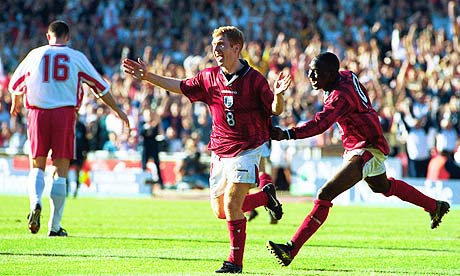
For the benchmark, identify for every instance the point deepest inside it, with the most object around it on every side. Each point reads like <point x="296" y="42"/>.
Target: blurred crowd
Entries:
<point x="405" y="52"/>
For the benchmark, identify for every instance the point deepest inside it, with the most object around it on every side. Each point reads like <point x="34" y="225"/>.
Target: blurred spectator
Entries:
<point x="127" y="143"/>
<point x="99" y="133"/>
<point x="4" y="112"/>
<point x="191" y="172"/>
<point x="410" y="46"/>
<point x="443" y="167"/>
<point x="417" y="146"/>
<point x="172" y="119"/>
<point x="203" y="127"/>
<point x="280" y="159"/>
<point x="447" y="137"/>
<point x="150" y="129"/>
<point x="454" y="17"/>
<point x="82" y="147"/>
<point x="111" y="145"/>
<point x="173" y="140"/>
<point x="18" y="138"/>
<point x="5" y="134"/>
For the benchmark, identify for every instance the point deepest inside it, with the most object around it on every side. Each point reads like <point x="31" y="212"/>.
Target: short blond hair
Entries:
<point x="232" y="33"/>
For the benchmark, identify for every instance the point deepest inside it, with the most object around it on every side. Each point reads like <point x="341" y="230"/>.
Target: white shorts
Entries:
<point x="265" y="150"/>
<point x="279" y="153"/>
<point x="374" y="160"/>
<point x="243" y="168"/>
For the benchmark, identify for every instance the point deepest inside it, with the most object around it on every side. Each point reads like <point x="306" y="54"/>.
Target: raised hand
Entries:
<point x="137" y="69"/>
<point x="282" y="83"/>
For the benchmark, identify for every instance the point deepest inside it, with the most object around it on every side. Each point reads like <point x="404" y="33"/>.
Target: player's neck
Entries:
<point x="331" y="86"/>
<point x="57" y="41"/>
<point x="233" y="68"/>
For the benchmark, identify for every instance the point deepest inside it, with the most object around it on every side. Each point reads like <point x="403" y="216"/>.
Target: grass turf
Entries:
<point x="144" y="236"/>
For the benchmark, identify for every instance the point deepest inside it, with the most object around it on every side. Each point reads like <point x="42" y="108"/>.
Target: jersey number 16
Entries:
<point x="57" y="65"/>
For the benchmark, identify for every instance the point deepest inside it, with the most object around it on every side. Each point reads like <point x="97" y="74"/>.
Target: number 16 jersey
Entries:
<point x="51" y="76"/>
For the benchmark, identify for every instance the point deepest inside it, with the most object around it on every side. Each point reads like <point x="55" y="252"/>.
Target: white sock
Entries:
<point x="57" y="202"/>
<point x="36" y="185"/>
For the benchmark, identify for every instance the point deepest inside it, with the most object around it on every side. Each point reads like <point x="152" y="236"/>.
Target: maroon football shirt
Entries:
<point x="349" y="106"/>
<point x="240" y="108"/>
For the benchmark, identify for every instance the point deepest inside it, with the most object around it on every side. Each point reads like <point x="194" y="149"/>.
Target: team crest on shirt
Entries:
<point x="228" y="101"/>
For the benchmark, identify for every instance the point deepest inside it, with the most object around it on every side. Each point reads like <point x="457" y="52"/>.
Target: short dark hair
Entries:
<point x="329" y="61"/>
<point x="59" y="28"/>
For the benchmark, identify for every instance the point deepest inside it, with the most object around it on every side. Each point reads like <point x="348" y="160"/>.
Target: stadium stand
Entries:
<point x="406" y="52"/>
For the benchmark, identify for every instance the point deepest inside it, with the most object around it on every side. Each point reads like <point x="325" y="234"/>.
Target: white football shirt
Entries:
<point x="51" y="76"/>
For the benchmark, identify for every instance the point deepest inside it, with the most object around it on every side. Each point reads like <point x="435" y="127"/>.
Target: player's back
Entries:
<point x="53" y="76"/>
<point x="360" y="125"/>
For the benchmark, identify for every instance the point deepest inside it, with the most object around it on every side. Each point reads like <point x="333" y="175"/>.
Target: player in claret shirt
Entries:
<point x="241" y="103"/>
<point x="50" y="80"/>
<point x="346" y="102"/>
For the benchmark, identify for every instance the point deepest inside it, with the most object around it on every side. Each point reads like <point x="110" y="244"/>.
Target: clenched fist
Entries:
<point x="278" y="134"/>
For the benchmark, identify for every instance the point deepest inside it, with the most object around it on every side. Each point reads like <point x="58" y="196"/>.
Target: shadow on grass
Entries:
<point x="105" y="256"/>
<point x="316" y="271"/>
<point x="383" y="248"/>
<point x="185" y="239"/>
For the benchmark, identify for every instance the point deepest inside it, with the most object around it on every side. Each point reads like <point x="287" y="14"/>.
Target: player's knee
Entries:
<point x="232" y="207"/>
<point x="375" y="189"/>
<point x="325" y="193"/>
<point x="380" y="187"/>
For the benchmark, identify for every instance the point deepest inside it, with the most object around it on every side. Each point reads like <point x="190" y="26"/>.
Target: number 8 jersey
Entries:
<point x="240" y="106"/>
<point x="58" y="79"/>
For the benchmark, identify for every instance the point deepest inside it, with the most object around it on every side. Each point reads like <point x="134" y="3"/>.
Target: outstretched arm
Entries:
<point x="110" y="102"/>
<point x="334" y="107"/>
<point x="138" y="70"/>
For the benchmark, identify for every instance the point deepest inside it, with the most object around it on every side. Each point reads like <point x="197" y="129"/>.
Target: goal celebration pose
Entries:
<point x="241" y="103"/>
<point x="346" y="102"/>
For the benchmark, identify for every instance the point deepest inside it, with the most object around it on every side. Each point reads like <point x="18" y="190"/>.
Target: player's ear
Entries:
<point x="48" y="36"/>
<point x="237" y="48"/>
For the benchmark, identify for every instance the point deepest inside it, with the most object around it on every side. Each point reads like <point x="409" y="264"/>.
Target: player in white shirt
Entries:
<point x="50" y="80"/>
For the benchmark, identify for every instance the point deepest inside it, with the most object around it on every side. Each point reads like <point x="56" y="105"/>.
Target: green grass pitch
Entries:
<point x="145" y="236"/>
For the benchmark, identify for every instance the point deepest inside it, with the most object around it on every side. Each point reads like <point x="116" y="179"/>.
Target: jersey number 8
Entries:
<point x="230" y="119"/>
